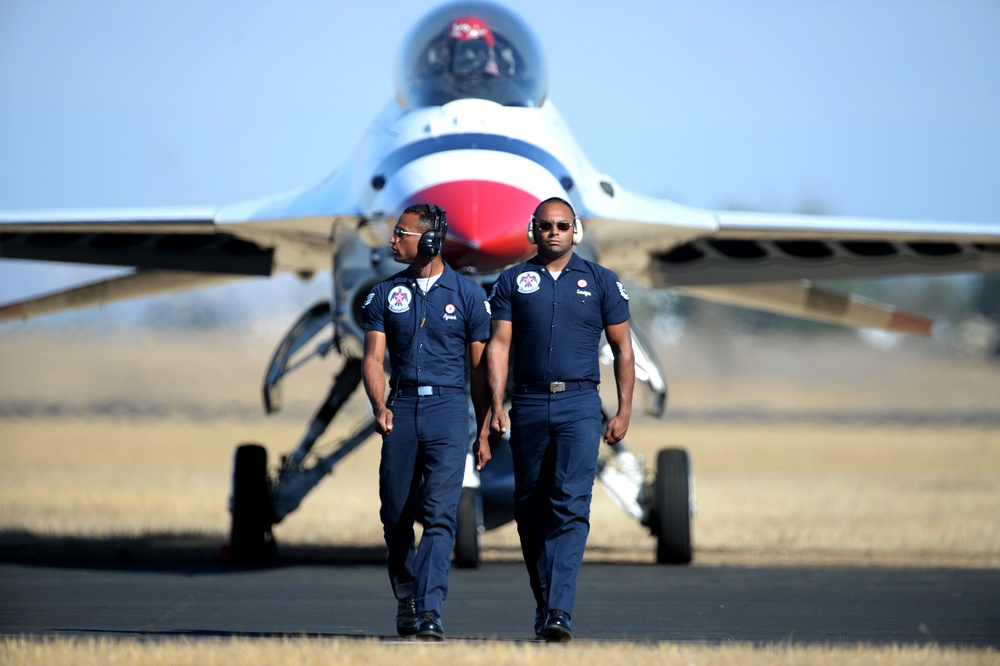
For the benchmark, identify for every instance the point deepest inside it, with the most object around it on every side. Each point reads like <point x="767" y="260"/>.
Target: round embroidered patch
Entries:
<point x="527" y="282"/>
<point x="399" y="299"/>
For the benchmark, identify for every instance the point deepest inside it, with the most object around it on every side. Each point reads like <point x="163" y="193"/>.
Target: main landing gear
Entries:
<point x="664" y="503"/>
<point x="250" y="537"/>
<point x="260" y="500"/>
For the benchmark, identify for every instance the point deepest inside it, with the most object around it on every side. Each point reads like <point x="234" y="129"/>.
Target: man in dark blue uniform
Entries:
<point x="552" y="310"/>
<point x="427" y="317"/>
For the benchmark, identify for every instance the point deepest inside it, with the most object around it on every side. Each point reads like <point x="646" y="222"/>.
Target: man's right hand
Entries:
<point x="383" y="420"/>
<point x="498" y="423"/>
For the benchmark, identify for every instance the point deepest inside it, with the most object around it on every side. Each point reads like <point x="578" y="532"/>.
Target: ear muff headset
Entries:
<point x="431" y="241"/>
<point x="577" y="231"/>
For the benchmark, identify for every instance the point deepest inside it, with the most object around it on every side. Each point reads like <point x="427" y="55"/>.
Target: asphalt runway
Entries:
<point x="168" y="598"/>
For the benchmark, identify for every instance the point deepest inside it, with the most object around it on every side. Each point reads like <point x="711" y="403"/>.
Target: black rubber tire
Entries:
<point x="468" y="535"/>
<point x="672" y="524"/>
<point x="250" y="538"/>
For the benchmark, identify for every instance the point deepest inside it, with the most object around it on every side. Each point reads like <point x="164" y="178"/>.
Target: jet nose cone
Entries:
<point x="486" y="223"/>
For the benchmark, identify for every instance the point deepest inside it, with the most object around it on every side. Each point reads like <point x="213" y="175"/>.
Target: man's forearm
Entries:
<point x="624" y="381"/>
<point x="496" y="364"/>
<point x="480" y="397"/>
<point x="374" y="381"/>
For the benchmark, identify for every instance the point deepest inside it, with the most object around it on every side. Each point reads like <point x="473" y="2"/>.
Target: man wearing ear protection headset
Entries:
<point x="427" y="317"/>
<point x="550" y="312"/>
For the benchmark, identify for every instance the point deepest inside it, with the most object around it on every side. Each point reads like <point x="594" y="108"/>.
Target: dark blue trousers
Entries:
<point x="555" y="441"/>
<point x="428" y="442"/>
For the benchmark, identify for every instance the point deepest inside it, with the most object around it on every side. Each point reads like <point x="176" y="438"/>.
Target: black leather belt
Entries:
<point x="553" y="387"/>
<point x="414" y="391"/>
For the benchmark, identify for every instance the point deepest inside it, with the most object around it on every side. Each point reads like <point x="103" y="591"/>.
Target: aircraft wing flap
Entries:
<point x="140" y="283"/>
<point x="807" y="301"/>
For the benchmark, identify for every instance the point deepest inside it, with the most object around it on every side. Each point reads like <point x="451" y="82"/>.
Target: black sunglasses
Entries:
<point x="545" y="225"/>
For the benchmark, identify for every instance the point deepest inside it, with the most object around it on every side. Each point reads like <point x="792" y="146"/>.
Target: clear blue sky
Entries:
<point x="881" y="108"/>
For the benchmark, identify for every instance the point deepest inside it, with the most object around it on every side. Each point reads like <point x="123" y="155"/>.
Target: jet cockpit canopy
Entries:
<point x="471" y="50"/>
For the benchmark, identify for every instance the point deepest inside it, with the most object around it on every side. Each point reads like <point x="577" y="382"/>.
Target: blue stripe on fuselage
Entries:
<point x="397" y="159"/>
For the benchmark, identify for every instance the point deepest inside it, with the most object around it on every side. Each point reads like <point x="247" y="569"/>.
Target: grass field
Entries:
<point x="803" y="453"/>
<point x="340" y="652"/>
<point x="766" y="493"/>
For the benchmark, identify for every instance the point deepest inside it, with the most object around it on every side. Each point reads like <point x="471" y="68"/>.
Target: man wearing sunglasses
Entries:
<point x="427" y="317"/>
<point x="549" y="313"/>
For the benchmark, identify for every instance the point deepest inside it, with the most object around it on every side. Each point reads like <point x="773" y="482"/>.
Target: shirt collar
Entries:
<point x="575" y="263"/>
<point x="448" y="278"/>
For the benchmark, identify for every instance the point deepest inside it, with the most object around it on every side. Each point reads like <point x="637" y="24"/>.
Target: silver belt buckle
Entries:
<point x="557" y="387"/>
<point x="425" y="390"/>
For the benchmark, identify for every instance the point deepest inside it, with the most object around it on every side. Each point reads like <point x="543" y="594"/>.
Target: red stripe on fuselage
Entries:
<point x="487" y="222"/>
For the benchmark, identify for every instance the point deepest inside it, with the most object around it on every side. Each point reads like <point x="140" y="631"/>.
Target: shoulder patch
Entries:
<point x="399" y="299"/>
<point x="527" y="282"/>
<point x="621" y="290"/>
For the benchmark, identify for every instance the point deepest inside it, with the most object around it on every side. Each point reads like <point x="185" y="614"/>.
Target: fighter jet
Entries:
<point x="472" y="129"/>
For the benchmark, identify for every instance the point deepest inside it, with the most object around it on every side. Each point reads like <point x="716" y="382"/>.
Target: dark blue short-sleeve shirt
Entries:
<point x="454" y="313"/>
<point x="557" y="324"/>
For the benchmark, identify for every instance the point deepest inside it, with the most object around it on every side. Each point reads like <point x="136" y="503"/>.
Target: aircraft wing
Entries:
<point x="171" y="249"/>
<point x="767" y="261"/>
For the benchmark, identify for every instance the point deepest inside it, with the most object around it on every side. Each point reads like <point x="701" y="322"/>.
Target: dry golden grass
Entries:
<point x="707" y="370"/>
<point x="159" y="459"/>
<point x="335" y="652"/>
<point x="766" y="494"/>
<point x="807" y="494"/>
<point x="100" y="477"/>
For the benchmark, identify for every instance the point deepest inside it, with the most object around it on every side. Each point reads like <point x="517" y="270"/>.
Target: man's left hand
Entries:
<point x="482" y="451"/>
<point x="617" y="427"/>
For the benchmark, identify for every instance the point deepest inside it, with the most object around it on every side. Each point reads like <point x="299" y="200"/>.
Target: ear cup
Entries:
<point x="430" y="242"/>
<point x="428" y="245"/>
<point x="531" y="231"/>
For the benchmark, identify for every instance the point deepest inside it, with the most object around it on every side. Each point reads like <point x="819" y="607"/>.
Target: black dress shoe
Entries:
<point x="406" y="617"/>
<point x="540" y="615"/>
<point x="429" y="627"/>
<point x="557" y="629"/>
